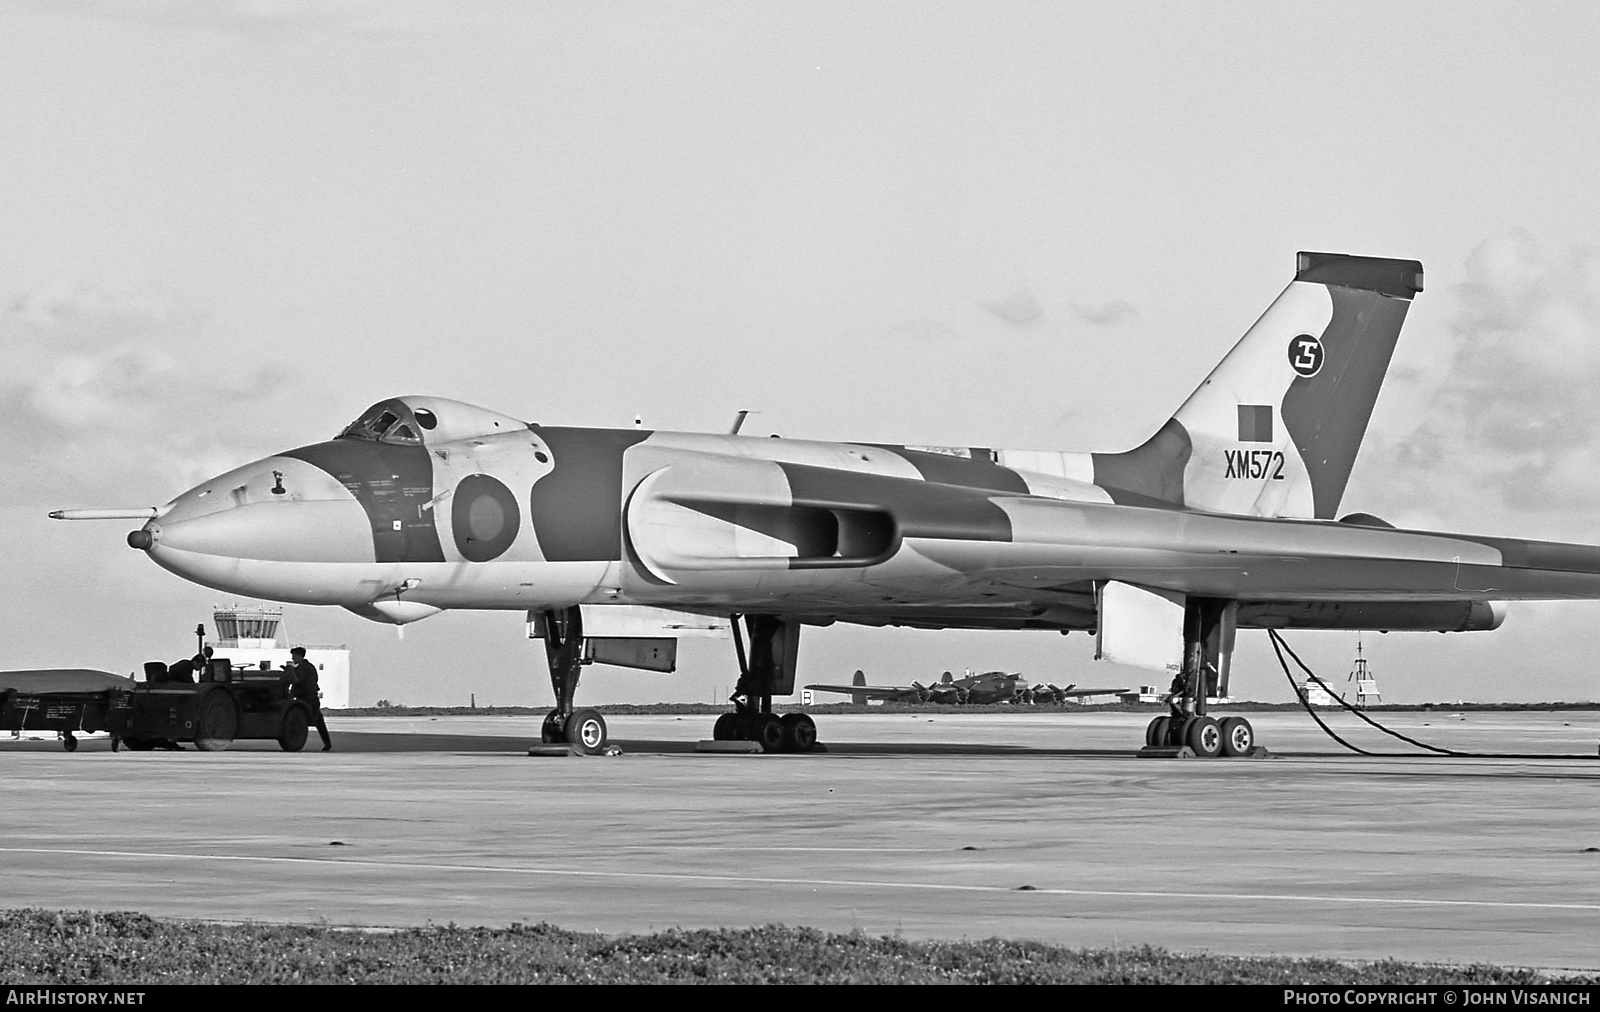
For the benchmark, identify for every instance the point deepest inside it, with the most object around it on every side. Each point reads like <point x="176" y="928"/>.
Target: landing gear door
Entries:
<point x="625" y="636"/>
<point x="643" y="653"/>
<point x="1139" y="627"/>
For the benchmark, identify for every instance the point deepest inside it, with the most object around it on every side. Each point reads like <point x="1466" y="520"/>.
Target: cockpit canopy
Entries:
<point x="420" y="421"/>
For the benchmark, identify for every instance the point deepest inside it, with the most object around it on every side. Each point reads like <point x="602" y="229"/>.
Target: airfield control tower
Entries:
<point x="250" y="636"/>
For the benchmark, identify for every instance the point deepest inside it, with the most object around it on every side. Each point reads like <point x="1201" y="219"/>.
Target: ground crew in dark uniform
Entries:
<point x="306" y="690"/>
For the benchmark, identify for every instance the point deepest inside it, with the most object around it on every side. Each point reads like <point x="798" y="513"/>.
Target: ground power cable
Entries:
<point x="1279" y="646"/>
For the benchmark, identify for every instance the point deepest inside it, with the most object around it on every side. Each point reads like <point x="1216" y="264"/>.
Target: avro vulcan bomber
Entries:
<point x="1227" y="518"/>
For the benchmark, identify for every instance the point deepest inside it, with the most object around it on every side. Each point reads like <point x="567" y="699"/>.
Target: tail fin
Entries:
<point x="1274" y="430"/>
<point x="859" y="678"/>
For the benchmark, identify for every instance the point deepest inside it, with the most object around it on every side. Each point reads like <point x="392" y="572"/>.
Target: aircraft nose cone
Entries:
<point x="278" y="509"/>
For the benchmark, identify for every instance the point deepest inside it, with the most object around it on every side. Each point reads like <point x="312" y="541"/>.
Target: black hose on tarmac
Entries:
<point x="1280" y="647"/>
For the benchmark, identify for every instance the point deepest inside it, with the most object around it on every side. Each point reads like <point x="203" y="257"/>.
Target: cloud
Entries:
<point x="1020" y="308"/>
<point x="1511" y="399"/>
<point x="120" y="397"/>
<point x="923" y="330"/>
<point x="1107" y="314"/>
<point x="84" y="311"/>
<point x="274" y="19"/>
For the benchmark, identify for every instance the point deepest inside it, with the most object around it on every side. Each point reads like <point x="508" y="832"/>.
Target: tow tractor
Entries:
<point x="212" y="708"/>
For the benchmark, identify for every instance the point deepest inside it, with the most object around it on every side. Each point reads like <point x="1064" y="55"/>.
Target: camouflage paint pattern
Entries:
<point x="426" y="504"/>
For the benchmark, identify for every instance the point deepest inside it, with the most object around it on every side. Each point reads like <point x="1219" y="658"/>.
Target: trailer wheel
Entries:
<point x="296" y="726"/>
<point x="217" y="723"/>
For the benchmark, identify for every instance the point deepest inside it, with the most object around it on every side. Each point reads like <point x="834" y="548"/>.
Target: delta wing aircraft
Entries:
<point x="1228" y="517"/>
<point x="977" y="690"/>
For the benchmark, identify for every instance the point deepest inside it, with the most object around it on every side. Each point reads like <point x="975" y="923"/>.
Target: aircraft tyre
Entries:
<point x="217" y="722"/>
<point x="1155" y="735"/>
<point x="1204" y="736"/>
<point x="767" y="730"/>
<point x="1178" y="731"/>
<point x="801" y="731"/>
<point x="553" y="731"/>
<point x="69" y="742"/>
<point x="296" y="726"/>
<point x="587" y="730"/>
<point x="726" y="728"/>
<point x="1238" y="737"/>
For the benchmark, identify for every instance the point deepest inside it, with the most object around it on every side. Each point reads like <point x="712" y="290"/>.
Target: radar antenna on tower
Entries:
<point x="1366" y="681"/>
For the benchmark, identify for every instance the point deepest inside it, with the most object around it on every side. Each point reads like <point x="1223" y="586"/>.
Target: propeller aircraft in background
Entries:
<point x="976" y="690"/>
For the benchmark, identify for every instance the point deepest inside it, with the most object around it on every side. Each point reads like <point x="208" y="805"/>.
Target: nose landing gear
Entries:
<point x="584" y="729"/>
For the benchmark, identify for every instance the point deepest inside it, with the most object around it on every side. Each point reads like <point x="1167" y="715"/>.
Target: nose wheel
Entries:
<point x="554" y="729"/>
<point x="587" y="730"/>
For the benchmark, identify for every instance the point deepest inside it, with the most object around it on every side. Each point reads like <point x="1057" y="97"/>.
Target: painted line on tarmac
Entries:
<point x="702" y="848"/>
<point x="1398" y="901"/>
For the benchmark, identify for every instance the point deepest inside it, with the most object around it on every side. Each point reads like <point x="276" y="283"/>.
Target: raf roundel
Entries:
<point x="1305" y="355"/>
<point x="484" y="518"/>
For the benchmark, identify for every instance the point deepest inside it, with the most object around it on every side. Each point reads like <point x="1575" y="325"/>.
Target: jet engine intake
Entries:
<point x="676" y="523"/>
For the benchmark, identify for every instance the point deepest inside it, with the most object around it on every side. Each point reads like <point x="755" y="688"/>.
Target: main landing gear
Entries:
<point x="1209" y="628"/>
<point x="1203" y="735"/>
<point x="583" y="728"/>
<point x="767" y="671"/>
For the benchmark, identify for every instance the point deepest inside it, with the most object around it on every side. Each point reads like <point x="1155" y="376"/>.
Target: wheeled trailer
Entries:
<point x="68" y="701"/>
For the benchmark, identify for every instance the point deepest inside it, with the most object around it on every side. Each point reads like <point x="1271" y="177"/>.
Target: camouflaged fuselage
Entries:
<point x="425" y="504"/>
<point x="534" y="517"/>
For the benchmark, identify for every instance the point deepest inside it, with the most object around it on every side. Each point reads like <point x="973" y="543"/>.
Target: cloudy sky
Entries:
<point x="227" y="227"/>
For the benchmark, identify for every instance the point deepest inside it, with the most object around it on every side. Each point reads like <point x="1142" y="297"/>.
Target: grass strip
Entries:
<point x="84" y="947"/>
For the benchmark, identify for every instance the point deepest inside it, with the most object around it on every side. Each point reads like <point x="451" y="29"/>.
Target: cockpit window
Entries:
<point x="404" y="421"/>
<point x="382" y="423"/>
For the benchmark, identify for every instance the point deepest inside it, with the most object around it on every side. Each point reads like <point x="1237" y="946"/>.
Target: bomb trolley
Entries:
<point x="211" y="708"/>
<point x="68" y="701"/>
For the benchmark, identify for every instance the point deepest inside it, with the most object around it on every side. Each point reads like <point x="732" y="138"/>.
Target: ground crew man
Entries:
<point x="306" y="690"/>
